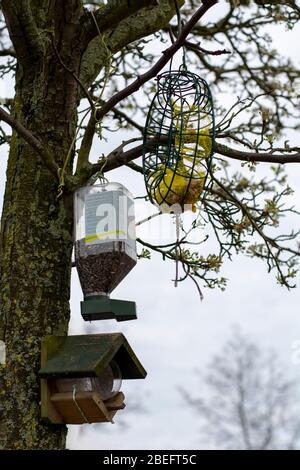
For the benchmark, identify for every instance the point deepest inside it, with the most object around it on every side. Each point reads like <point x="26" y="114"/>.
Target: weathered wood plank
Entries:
<point x="87" y="405"/>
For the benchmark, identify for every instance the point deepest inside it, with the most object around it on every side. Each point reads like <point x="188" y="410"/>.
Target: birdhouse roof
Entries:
<point x="88" y="355"/>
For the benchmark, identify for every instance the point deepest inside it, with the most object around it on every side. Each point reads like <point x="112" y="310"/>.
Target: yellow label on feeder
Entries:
<point x="101" y="236"/>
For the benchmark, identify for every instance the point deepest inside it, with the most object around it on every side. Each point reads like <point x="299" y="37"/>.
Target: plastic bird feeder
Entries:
<point x="105" y="248"/>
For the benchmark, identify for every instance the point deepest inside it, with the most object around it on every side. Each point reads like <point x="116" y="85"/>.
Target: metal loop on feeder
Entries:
<point x="178" y="139"/>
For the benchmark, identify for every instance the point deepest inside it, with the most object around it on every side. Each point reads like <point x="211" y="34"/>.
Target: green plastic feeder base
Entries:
<point x="101" y="307"/>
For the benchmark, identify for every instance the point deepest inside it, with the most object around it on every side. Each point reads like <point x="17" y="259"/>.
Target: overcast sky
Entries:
<point x="176" y="333"/>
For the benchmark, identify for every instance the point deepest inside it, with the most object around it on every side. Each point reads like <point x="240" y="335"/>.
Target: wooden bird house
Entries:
<point x="81" y="377"/>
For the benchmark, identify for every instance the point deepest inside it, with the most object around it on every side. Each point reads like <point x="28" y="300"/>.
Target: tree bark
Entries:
<point x="36" y="240"/>
<point x="36" y="247"/>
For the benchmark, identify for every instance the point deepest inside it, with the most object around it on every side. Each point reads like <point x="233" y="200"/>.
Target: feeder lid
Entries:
<point x="102" y="187"/>
<point x="87" y="355"/>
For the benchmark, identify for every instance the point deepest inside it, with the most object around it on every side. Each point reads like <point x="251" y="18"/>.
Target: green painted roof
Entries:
<point x="87" y="355"/>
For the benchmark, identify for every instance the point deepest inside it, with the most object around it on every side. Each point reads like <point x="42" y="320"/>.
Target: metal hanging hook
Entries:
<point x="179" y="26"/>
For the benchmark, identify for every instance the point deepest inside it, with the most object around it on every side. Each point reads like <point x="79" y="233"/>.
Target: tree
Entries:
<point x="77" y="66"/>
<point x="248" y="402"/>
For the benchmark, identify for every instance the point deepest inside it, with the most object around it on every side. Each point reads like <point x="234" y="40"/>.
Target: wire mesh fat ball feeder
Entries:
<point x="178" y="139"/>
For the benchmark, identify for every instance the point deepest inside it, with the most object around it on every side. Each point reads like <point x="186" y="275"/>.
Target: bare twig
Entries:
<point x="268" y="157"/>
<point x="269" y="242"/>
<point x="201" y="49"/>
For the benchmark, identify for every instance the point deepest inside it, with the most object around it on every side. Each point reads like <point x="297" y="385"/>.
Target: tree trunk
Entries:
<point x="36" y="247"/>
<point x="54" y="40"/>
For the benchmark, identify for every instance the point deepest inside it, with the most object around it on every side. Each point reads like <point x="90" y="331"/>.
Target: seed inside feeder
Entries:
<point x="101" y="267"/>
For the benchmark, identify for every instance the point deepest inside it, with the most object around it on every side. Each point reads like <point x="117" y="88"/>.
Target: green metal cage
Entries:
<point x="178" y="140"/>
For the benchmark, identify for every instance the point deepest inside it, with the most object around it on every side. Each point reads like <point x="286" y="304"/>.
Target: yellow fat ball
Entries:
<point x="178" y="189"/>
<point x="191" y="142"/>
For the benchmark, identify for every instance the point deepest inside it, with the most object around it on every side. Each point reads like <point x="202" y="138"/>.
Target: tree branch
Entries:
<point x="146" y="18"/>
<point x="197" y="47"/>
<point x="22" y="30"/>
<point x="35" y="143"/>
<point x="6" y="101"/>
<point x="118" y="114"/>
<point x="118" y="157"/>
<point x="167" y="55"/>
<point x="109" y="16"/>
<point x="256" y="157"/>
<point x="8" y="52"/>
<point x="86" y="145"/>
<point x="149" y="22"/>
<point x="135" y="167"/>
